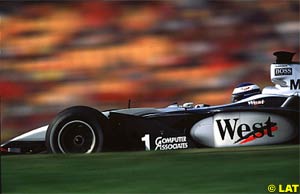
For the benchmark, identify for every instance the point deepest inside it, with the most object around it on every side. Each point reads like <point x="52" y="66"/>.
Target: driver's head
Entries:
<point x="244" y="90"/>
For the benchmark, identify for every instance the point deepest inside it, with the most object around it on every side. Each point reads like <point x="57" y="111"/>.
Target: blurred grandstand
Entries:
<point x="97" y="53"/>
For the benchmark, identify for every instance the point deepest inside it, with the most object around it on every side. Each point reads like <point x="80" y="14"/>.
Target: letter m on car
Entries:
<point x="295" y="85"/>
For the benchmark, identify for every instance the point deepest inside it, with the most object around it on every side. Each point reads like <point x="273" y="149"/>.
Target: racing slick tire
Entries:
<point x="77" y="129"/>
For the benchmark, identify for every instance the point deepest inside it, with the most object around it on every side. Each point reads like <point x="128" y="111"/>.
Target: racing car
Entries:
<point x="254" y="117"/>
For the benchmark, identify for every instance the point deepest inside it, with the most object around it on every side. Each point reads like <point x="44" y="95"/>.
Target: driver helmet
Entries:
<point x="244" y="90"/>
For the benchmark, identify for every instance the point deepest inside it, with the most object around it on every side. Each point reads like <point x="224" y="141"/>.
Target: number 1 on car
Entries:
<point x="146" y="139"/>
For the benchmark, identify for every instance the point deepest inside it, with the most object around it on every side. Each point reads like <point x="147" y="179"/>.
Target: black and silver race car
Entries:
<point x="268" y="117"/>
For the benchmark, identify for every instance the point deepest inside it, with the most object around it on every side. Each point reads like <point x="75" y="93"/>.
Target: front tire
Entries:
<point x="76" y="130"/>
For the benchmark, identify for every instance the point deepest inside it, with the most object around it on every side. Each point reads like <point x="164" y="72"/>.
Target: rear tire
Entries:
<point x="77" y="129"/>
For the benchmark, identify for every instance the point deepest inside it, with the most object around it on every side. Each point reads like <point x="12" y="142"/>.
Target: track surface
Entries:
<point x="229" y="170"/>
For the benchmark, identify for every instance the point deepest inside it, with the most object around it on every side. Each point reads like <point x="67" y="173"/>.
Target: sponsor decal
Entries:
<point x="283" y="71"/>
<point x="256" y="102"/>
<point x="295" y="84"/>
<point x="171" y="143"/>
<point x="245" y="88"/>
<point x="245" y="132"/>
<point x="14" y="150"/>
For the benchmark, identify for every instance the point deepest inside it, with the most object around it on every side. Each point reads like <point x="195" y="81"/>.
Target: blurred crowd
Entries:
<point x="103" y="53"/>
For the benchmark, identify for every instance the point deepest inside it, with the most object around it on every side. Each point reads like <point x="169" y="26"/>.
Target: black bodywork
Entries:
<point x="124" y="129"/>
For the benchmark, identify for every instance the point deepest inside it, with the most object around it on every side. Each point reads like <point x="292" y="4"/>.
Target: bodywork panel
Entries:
<point x="248" y="122"/>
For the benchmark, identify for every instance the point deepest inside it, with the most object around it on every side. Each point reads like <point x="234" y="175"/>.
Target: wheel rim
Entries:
<point x="76" y="137"/>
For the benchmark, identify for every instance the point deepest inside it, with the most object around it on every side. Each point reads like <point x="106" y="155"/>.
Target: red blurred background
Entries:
<point x="97" y="53"/>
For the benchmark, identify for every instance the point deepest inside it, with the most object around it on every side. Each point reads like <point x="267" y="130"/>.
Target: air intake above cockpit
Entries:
<point x="284" y="57"/>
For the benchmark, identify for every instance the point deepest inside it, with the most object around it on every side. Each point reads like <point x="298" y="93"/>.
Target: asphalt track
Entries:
<point x="226" y="170"/>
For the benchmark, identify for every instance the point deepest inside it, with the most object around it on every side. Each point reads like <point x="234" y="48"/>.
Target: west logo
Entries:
<point x="245" y="132"/>
<point x="283" y="71"/>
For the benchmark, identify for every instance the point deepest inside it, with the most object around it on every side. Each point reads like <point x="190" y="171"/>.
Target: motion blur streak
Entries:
<point x="54" y="55"/>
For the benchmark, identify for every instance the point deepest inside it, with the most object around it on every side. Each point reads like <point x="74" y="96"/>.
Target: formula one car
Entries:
<point x="268" y="117"/>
